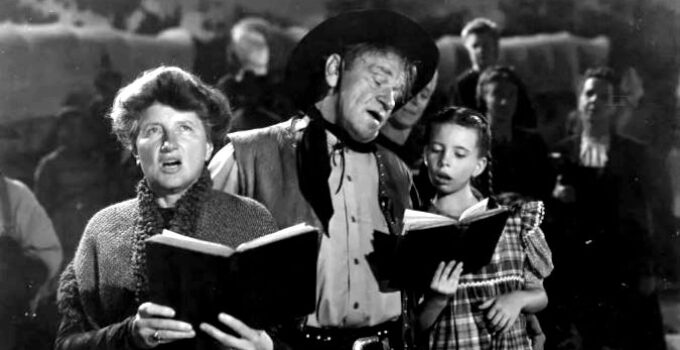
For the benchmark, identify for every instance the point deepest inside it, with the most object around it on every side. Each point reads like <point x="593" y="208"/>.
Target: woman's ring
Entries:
<point x="156" y="337"/>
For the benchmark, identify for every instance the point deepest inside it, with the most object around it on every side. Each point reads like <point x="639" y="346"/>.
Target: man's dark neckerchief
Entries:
<point x="313" y="162"/>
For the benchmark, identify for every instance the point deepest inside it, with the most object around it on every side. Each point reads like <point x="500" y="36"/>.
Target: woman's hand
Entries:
<point x="153" y="326"/>
<point x="250" y="339"/>
<point x="445" y="280"/>
<point x="502" y="311"/>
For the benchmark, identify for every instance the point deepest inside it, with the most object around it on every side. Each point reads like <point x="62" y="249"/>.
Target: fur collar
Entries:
<point x="150" y="222"/>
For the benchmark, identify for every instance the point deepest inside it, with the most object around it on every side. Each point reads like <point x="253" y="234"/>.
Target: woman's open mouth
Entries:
<point x="171" y="165"/>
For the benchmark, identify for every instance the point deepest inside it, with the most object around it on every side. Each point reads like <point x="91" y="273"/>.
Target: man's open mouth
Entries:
<point x="376" y="116"/>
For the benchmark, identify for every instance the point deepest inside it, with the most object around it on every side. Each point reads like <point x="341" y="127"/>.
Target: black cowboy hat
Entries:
<point x="306" y="63"/>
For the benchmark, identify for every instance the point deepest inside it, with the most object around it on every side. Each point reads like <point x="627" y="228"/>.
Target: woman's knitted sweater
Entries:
<point x="104" y="285"/>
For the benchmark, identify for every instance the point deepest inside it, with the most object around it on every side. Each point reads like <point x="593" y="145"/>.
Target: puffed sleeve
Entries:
<point x="539" y="257"/>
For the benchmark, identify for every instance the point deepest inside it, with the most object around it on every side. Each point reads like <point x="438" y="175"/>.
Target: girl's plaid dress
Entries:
<point x="522" y="258"/>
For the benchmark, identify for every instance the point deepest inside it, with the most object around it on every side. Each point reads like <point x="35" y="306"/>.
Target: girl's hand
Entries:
<point x="247" y="339"/>
<point x="153" y="326"/>
<point x="538" y="342"/>
<point x="445" y="280"/>
<point x="502" y="311"/>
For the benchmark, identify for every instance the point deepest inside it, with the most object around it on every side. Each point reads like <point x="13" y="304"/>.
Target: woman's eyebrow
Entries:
<point x="187" y="120"/>
<point x="147" y="123"/>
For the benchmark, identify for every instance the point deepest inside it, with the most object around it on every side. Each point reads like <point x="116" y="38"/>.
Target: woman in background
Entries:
<point x="519" y="156"/>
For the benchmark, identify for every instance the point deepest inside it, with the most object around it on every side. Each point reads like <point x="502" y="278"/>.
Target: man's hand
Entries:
<point x="502" y="311"/>
<point x="153" y="326"/>
<point x="250" y="339"/>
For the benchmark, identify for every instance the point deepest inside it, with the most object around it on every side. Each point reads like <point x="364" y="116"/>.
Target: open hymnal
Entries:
<point x="410" y="260"/>
<point x="262" y="282"/>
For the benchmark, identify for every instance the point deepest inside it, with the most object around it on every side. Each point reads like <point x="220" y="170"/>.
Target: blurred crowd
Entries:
<point x="611" y="219"/>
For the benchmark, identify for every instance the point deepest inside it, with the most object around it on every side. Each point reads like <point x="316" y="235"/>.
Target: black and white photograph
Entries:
<point x="340" y="174"/>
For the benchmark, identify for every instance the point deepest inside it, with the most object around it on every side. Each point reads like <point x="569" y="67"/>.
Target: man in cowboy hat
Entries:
<point x="346" y="76"/>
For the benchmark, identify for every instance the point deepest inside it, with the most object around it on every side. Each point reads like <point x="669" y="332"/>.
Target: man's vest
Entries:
<point x="267" y="165"/>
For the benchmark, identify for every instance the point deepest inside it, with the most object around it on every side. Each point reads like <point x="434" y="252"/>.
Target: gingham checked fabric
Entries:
<point x="521" y="255"/>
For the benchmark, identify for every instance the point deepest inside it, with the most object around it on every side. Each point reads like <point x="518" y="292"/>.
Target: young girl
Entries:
<point x="486" y="309"/>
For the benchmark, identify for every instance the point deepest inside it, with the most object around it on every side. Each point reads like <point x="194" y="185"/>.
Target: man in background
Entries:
<point x="481" y="39"/>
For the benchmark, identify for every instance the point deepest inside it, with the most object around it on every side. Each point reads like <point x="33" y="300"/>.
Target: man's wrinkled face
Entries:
<point x="367" y="91"/>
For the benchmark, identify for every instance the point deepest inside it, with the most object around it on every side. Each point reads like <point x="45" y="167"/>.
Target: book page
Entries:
<point x="418" y="220"/>
<point x="276" y="236"/>
<point x="181" y="241"/>
<point x="479" y="211"/>
<point x="474" y="210"/>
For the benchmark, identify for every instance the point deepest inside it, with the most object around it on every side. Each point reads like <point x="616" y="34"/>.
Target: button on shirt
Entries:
<point x="347" y="291"/>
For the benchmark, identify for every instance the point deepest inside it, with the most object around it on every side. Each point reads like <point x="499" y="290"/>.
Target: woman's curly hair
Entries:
<point x="174" y="87"/>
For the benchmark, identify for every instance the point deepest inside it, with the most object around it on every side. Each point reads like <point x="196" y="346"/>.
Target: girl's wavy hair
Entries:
<point x="174" y="87"/>
<point x="470" y="119"/>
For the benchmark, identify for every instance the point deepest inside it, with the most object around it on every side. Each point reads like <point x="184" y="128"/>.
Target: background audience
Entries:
<point x="30" y="256"/>
<point x="603" y="237"/>
<point x="519" y="157"/>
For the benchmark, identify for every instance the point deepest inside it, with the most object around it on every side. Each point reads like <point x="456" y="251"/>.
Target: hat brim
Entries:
<point x="305" y="66"/>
